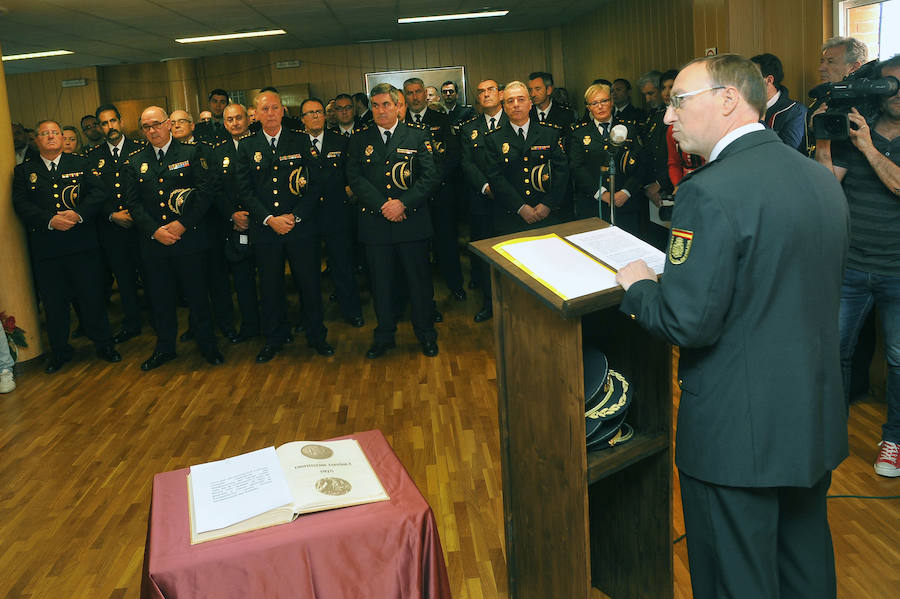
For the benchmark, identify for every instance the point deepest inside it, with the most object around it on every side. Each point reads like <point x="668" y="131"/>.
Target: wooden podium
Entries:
<point x="576" y="519"/>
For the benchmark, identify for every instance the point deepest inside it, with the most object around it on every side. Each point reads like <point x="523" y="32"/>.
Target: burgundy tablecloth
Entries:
<point x="384" y="550"/>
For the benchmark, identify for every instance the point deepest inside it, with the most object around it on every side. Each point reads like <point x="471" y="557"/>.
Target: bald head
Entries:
<point x="156" y="126"/>
<point x="269" y="112"/>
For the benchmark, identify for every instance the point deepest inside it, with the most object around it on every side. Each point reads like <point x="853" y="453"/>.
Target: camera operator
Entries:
<point x="841" y="56"/>
<point x="868" y="165"/>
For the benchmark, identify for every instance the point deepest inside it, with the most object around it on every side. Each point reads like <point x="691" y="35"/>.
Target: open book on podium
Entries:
<point x="273" y="486"/>
<point x="580" y="264"/>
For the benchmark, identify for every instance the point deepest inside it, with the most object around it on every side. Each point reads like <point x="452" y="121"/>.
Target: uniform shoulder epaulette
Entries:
<point x="189" y="143"/>
<point x="474" y="117"/>
<point x="245" y="135"/>
<point x="92" y="149"/>
<point x="220" y="143"/>
<point x="578" y="125"/>
<point x="421" y="126"/>
<point x="492" y="131"/>
<point x="133" y="152"/>
<point x="554" y="125"/>
<point x="296" y="130"/>
<point x="363" y="127"/>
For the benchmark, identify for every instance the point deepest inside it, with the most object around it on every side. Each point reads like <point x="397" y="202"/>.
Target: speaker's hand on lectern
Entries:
<point x="633" y="272"/>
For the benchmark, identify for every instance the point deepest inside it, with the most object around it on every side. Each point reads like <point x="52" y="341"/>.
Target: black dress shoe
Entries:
<point x="378" y="348"/>
<point x="214" y="357"/>
<point x="186" y="336"/>
<point x="473" y="284"/>
<point x="356" y="321"/>
<point x="459" y="295"/>
<point x="109" y="354"/>
<point x="156" y="360"/>
<point x="267" y="353"/>
<point x="485" y="314"/>
<point x="332" y="297"/>
<point x="55" y="363"/>
<point x="299" y="328"/>
<point x="242" y="336"/>
<point x="322" y="348"/>
<point x="437" y="316"/>
<point x="429" y="348"/>
<point x="289" y="338"/>
<point x="124" y="335"/>
<point x="231" y="335"/>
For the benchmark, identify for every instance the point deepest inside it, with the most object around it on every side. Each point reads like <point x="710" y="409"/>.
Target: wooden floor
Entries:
<point x="79" y="450"/>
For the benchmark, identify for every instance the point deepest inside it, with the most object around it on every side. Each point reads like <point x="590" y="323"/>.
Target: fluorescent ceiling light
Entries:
<point x="230" y="36"/>
<point x="465" y="15"/>
<point x="36" y="55"/>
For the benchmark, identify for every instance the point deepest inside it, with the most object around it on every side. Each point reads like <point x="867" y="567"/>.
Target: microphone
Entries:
<point x="618" y="134"/>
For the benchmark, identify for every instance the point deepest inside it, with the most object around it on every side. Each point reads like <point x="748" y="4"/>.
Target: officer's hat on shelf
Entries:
<point x="607" y="397"/>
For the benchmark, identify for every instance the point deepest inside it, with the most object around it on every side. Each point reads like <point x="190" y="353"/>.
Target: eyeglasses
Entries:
<point x="49" y="133"/>
<point x="149" y="126"/>
<point x="597" y="103"/>
<point x="181" y="121"/>
<point x="448" y="91"/>
<point x="313" y="113"/>
<point x="677" y="100"/>
<point x="487" y="90"/>
<point x="89" y="127"/>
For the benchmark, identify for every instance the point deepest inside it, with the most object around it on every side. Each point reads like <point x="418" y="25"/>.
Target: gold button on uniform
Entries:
<point x="276" y="204"/>
<point x="633" y="317"/>
<point x="162" y="204"/>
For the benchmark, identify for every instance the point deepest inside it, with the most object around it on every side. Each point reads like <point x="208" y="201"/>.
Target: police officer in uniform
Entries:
<point x="478" y="190"/>
<point x="273" y="181"/>
<point x="238" y="249"/>
<point x="443" y="204"/>
<point x="325" y="153"/>
<point x="115" y="227"/>
<point x="526" y="166"/>
<point x="167" y="193"/>
<point x="47" y="196"/>
<point x="391" y="170"/>
<point x="589" y="153"/>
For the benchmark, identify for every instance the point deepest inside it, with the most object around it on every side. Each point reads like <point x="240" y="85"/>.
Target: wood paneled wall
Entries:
<point x="37" y="96"/>
<point x="627" y="39"/>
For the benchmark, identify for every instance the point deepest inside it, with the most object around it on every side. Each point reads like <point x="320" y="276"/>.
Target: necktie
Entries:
<point x="543" y="116"/>
<point x="493" y="121"/>
<point x="53" y="170"/>
<point x="273" y="145"/>
<point x="387" y="137"/>
<point x="522" y="134"/>
<point x="346" y="133"/>
<point x="116" y="155"/>
<point x="162" y="155"/>
<point x="418" y="119"/>
<point x="315" y="144"/>
<point x="604" y="129"/>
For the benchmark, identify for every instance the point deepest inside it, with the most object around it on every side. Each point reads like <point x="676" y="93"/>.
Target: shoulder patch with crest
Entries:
<point x="680" y="245"/>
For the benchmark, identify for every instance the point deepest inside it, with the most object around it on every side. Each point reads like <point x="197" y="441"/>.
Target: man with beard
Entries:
<point x="167" y="193"/>
<point x="91" y="129"/>
<point x="115" y="227"/>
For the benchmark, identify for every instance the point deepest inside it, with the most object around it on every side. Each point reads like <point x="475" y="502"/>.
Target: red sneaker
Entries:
<point x="888" y="462"/>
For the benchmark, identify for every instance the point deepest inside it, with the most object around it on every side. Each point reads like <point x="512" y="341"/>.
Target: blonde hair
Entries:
<point x="593" y="89"/>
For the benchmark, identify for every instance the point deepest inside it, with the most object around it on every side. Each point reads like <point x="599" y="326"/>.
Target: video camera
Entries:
<point x="858" y="91"/>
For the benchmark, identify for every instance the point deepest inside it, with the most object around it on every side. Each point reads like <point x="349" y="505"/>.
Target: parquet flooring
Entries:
<point x="79" y="450"/>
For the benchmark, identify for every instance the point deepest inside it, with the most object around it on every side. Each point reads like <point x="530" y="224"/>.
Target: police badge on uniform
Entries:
<point x="226" y="161"/>
<point x="369" y="150"/>
<point x="680" y="245"/>
<point x="101" y="163"/>
<point x="203" y="163"/>
<point x="587" y="140"/>
<point x="33" y="177"/>
<point x="257" y="157"/>
<point x="144" y="167"/>
<point x="505" y="148"/>
<point x="474" y="133"/>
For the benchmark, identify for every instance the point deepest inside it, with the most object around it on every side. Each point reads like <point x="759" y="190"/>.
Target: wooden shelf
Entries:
<point x="607" y="462"/>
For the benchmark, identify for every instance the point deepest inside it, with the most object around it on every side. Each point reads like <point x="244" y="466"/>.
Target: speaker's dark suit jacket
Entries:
<point x="751" y="293"/>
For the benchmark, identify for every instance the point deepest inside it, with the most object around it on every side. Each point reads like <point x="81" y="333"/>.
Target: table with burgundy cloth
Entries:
<point x="383" y="550"/>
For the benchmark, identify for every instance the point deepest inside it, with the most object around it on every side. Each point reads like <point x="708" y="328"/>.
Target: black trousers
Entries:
<point x="121" y="249"/>
<point x="244" y="273"/>
<point x="164" y="275"/>
<point x="64" y="280"/>
<point x="443" y="221"/>
<point x="304" y="256"/>
<point x="412" y="258"/>
<point x="341" y="264"/>
<point x="219" y="283"/>
<point x="756" y="542"/>
<point x="481" y="226"/>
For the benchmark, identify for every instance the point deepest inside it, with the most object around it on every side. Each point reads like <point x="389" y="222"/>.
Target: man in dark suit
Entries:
<point x="456" y="112"/>
<point x="589" y="153"/>
<point x="391" y="170"/>
<point x="115" y="227"/>
<point x="361" y="107"/>
<point x="784" y="116"/>
<point x="167" y="193"/>
<point x="325" y="153"/>
<point x="273" y="180"/>
<point x="478" y="190"/>
<point x="346" y="118"/>
<point x="623" y="109"/>
<point x="213" y="131"/>
<point x="762" y="421"/>
<point x="544" y="109"/>
<point x="48" y="198"/>
<point x="524" y="146"/>
<point x="235" y="220"/>
<point x="443" y="205"/>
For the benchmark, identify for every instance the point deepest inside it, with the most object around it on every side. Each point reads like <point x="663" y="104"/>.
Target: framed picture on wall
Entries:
<point x="434" y="77"/>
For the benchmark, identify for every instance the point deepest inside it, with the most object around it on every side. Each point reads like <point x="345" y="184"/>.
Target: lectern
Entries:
<point x="576" y="519"/>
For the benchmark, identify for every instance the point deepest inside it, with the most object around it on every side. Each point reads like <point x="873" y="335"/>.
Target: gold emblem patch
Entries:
<point x="203" y="163"/>
<point x="33" y="177"/>
<point x="505" y="148"/>
<point x="144" y="167"/>
<point x="257" y="157"/>
<point x="101" y="163"/>
<point x="297" y="181"/>
<point x="369" y="150"/>
<point x="680" y="245"/>
<point x="226" y="161"/>
<point x="587" y="140"/>
<point x="474" y="133"/>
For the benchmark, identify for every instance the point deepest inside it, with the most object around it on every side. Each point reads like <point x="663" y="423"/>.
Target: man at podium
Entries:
<point x="751" y="293"/>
